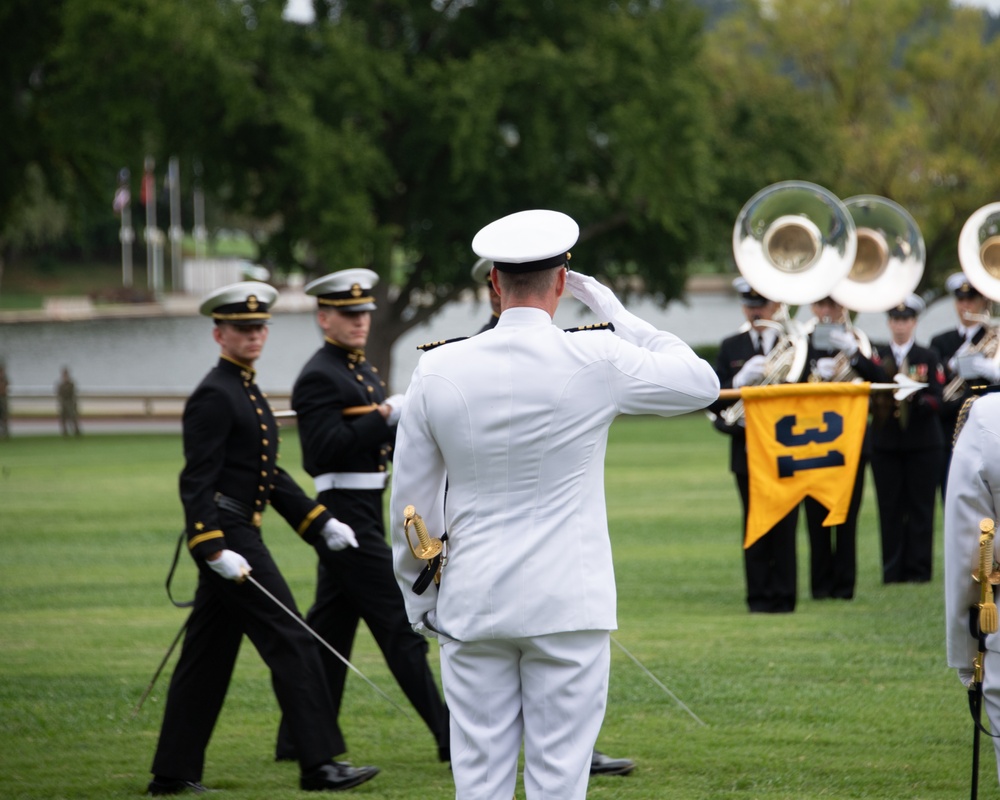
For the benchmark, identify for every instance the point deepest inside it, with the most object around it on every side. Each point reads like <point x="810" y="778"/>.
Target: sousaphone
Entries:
<point x="889" y="259"/>
<point x="979" y="250"/>
<point x="794" y="242"/>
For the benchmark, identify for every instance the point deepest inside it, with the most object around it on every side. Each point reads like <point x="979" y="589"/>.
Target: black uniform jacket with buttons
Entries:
<point x="334" y="379"/>
<point x="919" y="426"/>
<point x="734" y="352"/>
<point x="231" y="447"/>
<point x="946" y="345"/>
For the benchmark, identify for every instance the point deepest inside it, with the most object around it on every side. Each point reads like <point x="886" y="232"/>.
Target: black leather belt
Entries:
<point x="241" y="510"/>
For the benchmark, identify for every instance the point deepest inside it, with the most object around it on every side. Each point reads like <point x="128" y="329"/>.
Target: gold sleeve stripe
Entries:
<point x="320" y="508"/>
<point x="203" y="537"/>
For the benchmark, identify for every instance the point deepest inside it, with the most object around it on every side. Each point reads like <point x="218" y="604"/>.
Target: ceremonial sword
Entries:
<point x="658" y="682"/>
<point x="327" y="645"/>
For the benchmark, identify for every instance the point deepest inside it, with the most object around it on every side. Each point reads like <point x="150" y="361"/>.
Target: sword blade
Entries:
<point x="327" y="645"/>
<point x="658" y="682"/>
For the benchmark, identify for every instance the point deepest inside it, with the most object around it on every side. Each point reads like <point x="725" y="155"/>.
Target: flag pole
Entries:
<point x="903" y="388"/>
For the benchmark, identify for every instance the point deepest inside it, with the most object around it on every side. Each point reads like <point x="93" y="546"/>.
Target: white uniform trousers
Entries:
<point x="550" y="690"/>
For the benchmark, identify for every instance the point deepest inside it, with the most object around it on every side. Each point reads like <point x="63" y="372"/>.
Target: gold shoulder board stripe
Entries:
<point x="432" y="345"/>
<point x="597" y="326"/>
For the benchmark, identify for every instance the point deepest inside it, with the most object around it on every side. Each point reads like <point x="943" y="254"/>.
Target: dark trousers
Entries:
<point x="769" y="563"/>
<point x="906" y="484"/>
<point x="223" y="611"/>
<point x="833" y="561"/>
<point x="359" y="584"/>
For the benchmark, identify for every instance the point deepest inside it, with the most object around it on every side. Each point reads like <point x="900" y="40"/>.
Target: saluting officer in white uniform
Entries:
<point x="973" y="495"/>
<point x="515" y="422"/>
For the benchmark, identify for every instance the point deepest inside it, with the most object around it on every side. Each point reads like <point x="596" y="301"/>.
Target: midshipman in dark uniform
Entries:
<point x="230" y="477"/>
<point x="951" y="346"/>
<point x="347" y="427"/>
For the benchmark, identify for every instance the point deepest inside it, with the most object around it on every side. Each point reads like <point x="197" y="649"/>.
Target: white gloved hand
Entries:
<point x="845" y="341"/>
<point x="752" y="372"/>
<point x="396" y="403"/>
<point x="980" y="366"/>
<point x="594" y="295"/>
<point x="826" y="368"/>
<point x="338" y="535"/>
<point x="962" y="350"/>
<point x="966" y="676"/>
<point x="230" y="565"/>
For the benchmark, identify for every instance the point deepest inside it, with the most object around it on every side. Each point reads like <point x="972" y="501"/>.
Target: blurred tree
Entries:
<point x="385" y="133"/>
<point x="906" y="93"/>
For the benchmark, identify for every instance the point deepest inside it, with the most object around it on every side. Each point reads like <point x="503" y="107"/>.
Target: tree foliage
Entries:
<point x="906" y="91"/>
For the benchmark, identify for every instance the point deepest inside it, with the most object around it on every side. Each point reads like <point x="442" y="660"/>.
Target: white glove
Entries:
<point x="594" y="295"/>
<point x="826" y="368"/>
<point x="396" y="403"/>
<point x="338" y="535"/>
<point x="978" y="365"/>
<point x="752" y="372"/>
<point x="966" y="676"/>
<point x="845" y="341"/>
<point x="231" y="566"/>
<point x="962" y="350"/>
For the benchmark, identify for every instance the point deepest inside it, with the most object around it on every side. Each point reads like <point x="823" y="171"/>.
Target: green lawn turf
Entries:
<point x="838" y="700"/>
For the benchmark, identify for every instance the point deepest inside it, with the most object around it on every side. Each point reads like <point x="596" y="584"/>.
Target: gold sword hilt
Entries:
<point x="988" y="617"/>
<point x="428" y="547"/>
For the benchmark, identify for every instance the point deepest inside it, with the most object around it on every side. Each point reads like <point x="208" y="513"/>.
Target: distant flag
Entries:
<point x="122" y="194"/>
<point x="122" y="198"/>
<point x="148" y="193"/>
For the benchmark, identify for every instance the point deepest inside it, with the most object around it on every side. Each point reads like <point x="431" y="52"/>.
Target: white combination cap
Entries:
<point x="911" y="306"/>
<point x="481" y="270"/>
<point x="958" y="284"/>
<point x="345" y="290"/>
<point x="527" y="241"/>
<point x="244" y="303"/>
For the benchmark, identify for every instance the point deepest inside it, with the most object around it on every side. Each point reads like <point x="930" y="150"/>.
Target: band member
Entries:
<point x="230" y="478"/>
<point x="347" y="426"/>
<point x="972" y="497"/>
<point x="907" y="449"/>
<point x="769" y="563"/>
<point x="833" y="549"/>
<point x="515" y="421"/>
<point x="965" y="343"/>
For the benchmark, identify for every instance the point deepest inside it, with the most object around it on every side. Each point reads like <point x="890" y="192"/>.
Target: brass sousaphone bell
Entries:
<point x="794" y="241"/>
<point x="889" y="259"/>
<point x="979" y="250"/>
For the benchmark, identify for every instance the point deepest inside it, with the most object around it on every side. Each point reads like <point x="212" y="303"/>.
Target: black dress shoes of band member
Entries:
<point x="335" y="776"/>
<point x="601" y="764"/>
<point x="163" y="786"/>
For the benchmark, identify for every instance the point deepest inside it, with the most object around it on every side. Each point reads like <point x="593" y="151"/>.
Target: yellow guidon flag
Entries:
<point x="802" y="439"/>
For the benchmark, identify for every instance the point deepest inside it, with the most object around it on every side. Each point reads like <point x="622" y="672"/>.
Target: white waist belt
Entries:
<point x="350" y="480"/>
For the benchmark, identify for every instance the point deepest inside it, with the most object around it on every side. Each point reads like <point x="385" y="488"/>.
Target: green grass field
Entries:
<point x="838" y="700"/>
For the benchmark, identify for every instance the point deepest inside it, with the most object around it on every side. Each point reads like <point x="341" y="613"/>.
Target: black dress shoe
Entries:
<point x="601" y="764"/>
<point x="162" y="786"/>
<point x="335" y="776"/>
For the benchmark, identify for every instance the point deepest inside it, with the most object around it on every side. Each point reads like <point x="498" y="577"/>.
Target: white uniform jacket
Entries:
<point x="515" y="419"/>
<point x="973" y="495"/>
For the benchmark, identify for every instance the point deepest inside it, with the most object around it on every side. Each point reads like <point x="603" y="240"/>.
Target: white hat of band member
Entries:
<point x="244" y="303"/>
<point x="527" y="241"/>
<point x="481" y="270"/>
<point x="345" y="290"/>
<point x="958" y="285"/>
<point x="910" y="306"/>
